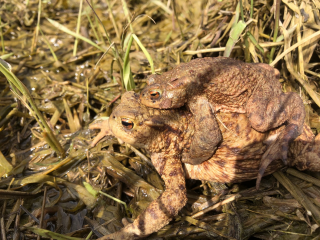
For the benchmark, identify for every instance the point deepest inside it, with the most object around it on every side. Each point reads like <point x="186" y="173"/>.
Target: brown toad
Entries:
<point x="230" y="86"/>
<point x="166" y="134"/>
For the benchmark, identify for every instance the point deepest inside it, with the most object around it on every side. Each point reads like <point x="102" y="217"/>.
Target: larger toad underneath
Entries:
<point x="166" y="134"/>
<point x="229" y="86"/>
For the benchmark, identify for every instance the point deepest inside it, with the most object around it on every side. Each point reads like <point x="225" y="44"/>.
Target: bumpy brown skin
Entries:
<point x="166" y="135"/>
<point x="232" y="86"/>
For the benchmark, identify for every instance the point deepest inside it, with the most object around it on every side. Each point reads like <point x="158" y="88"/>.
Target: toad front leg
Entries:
<point x="163" y="209"/>
<point x="207" y="133"/>
<point x="268" y="108"/>
<point x="104" y="131"/>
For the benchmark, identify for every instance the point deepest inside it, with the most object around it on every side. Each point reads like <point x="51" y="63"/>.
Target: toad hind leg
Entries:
<point x="207" y="133"/>
<point x="269" y="112"/>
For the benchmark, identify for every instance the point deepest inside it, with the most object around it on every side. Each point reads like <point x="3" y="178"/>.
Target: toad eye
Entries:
<point x="127" y="123"/>
<point x="155" y="94"/>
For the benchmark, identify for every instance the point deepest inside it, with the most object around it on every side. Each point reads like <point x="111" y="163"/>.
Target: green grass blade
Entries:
<point x="237" y="15"/>
<point x="66" y="30"/>
<point x="167" y="38"/>
<point x="35" y="37"/>
<point x="5" y="166"/>
<point x="1" y="35"/>
<point x="77" y="29"/>
<point x="145" y="51"/>
<point x="5" y="56"/>
<point x="90" y="189"/>
<point x="49" y="46"/>
<point x="92" y="27"/>
<point x="235" y="33"/>
<point x="127" y="75"/>
<point x="255" y="43"/>
<point x="276" y="27"/>
<point x="116" y="199"/>
<point x="241" y="10"/>
<point x="251" y="9"/>
<point x="89" y="235"/>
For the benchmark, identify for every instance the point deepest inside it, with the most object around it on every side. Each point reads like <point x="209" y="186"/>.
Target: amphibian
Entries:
<point x="166" y="134"/>
<point x="231" y="86"/>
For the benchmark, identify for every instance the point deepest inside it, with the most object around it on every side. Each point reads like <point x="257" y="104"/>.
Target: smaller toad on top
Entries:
<point x="230" y="86"/>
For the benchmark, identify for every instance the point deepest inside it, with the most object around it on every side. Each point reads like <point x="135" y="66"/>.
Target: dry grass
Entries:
<point x="40" y="189"/>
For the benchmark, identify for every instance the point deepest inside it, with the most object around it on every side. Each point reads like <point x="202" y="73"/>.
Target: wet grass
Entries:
<point x="69" y="66"/>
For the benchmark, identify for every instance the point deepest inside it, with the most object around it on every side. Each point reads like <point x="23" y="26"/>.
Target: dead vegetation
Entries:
<point x="54" y="185"/>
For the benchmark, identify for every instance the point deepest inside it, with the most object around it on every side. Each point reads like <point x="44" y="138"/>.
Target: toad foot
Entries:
<point x="104" y="130"/>
<point x="278" y="150"/>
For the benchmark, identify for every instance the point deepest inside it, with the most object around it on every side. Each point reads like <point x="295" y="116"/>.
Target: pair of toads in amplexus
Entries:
<point x="216" y="119"/>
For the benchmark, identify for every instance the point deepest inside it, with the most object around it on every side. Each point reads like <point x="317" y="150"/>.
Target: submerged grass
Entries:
<point x="71" y="78"/>
<point x="20" y="91"/>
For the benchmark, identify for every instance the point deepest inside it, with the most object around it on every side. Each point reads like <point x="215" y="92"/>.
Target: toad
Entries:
<point x="230" y="85"/>
<point x="167" y="134"/>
